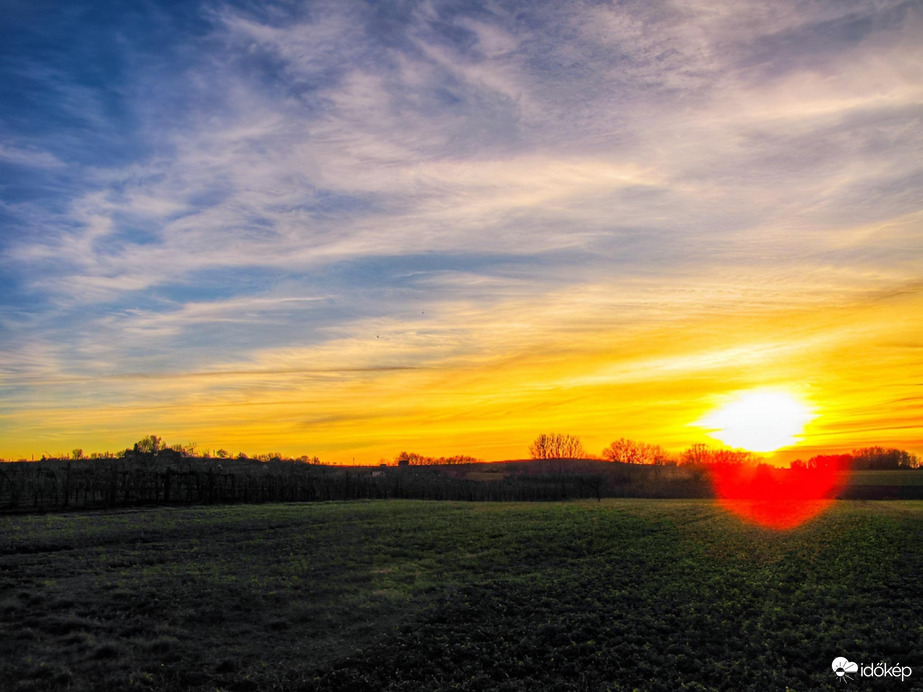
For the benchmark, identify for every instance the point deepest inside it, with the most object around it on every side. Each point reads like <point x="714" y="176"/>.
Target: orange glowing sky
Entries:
<point x="450" y="229"/>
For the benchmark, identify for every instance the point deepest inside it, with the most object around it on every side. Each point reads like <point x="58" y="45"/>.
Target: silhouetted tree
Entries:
<point x="701" y="454"/>
<point x="631" y="452"/>
<point x="414" y="459"/>
<point x="829" y="461"/>
<point x="733" y="456"/>
<point x="149" y="445"/>
<point x="407" y="459"/>
<point x="557" y="446"/>
<point x="697" y="454"/>
<point x="881" y="458"/>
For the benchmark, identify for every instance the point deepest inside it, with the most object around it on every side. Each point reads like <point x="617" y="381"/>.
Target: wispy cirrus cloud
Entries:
<point x="205" y="188"/>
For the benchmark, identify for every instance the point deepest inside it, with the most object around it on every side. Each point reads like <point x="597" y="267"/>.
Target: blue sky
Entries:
<point x="288" y="202"/>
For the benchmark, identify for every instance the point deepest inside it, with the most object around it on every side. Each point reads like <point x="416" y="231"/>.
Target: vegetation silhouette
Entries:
<point x="153" y="473"/>
<point x="557" y="446"/>
<point x="631" y="452"/>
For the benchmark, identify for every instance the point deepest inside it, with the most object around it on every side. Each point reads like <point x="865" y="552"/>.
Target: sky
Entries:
<point x="350" y="229"/>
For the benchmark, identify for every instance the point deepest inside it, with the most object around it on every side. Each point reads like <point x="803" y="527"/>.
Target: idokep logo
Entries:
<point x="844" y="669"/>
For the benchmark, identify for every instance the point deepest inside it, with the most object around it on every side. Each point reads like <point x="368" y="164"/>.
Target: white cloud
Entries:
<point x="655" y="142"/>
<point x="30" y="157"/>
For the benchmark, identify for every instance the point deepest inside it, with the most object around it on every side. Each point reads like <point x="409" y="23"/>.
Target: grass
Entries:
<point x="410" y="595"/>
<point x="887" y="478"/>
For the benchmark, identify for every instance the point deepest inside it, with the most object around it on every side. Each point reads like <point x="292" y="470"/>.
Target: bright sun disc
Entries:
<point x="759" y="421"/>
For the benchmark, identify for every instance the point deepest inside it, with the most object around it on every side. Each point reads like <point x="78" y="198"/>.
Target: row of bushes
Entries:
<point x="160" y="480"/>
<point x="151" y="480"/>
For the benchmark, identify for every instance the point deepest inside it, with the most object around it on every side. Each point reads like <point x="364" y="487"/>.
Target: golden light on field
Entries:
<point x="759" y="421"/>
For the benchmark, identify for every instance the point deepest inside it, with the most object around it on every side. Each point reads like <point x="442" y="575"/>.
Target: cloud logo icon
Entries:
<point x="842" y="666"/>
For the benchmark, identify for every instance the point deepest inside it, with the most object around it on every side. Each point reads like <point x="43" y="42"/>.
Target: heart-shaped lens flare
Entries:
<point x="765" y="420"/>
<point x="777" y="498"/>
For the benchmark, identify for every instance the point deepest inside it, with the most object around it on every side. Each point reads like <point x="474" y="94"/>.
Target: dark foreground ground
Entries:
<point x="412" y="595"/>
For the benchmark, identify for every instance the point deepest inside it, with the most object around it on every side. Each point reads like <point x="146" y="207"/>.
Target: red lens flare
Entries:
<point x="777" y="498"/>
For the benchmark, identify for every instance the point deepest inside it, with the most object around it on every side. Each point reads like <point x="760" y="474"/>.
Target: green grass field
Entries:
<point x="886" y="478"/>
<point x="410" y="595"/>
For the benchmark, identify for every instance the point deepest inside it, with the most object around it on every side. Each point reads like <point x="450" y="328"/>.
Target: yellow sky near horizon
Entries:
<point x="634" y="363"/>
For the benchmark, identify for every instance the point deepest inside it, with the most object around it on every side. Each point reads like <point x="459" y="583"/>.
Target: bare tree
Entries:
<point x="698" y="453"/>
<point x="630" y="452"/>
<point x="734" y="456"/>
<point x="557" y="446"/>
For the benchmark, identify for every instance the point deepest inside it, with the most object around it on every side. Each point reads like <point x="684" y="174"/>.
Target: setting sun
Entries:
<point x="759" y="421"/>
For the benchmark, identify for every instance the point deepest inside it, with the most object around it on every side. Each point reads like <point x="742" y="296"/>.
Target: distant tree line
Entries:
<point x="153" y="479"/>
<point x="154" y="446"/>
<point x="545" y="446"/>
<point x="413" y="459"/>
<point x="163" y="479"/>
<point x="625" y="451"/>
<point x="152" y="473"/>
<point x="877" y="458"/>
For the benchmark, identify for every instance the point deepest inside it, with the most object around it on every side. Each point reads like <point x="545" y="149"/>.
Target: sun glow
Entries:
<point x="759" y="421"/>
